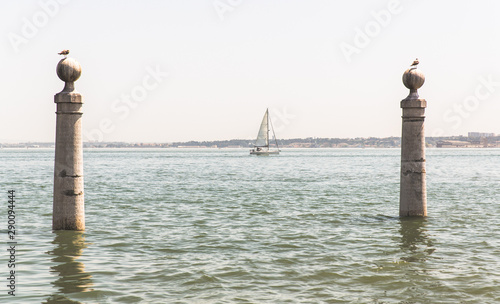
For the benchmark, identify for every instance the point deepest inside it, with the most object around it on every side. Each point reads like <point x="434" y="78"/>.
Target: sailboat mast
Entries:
<point x="267" y="138"/>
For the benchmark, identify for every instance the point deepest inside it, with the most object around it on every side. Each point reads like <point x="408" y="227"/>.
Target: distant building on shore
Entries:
<point x="456" y="144"/>
<point x="480" y="134"/>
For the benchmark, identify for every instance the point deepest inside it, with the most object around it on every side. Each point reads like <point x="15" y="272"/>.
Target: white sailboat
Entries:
<point x="261" y="146"/>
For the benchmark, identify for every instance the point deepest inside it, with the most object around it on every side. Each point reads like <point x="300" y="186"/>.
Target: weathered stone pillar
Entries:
<point x="413" y="193"/>
<point x="68" y="205"/>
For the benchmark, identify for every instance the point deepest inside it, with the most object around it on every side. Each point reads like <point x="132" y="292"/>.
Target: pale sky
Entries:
<point x="164" y="71"/>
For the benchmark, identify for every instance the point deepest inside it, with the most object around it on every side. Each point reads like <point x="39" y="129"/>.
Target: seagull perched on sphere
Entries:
<point x="415" y="63"/>
<point x="64" y="52"/>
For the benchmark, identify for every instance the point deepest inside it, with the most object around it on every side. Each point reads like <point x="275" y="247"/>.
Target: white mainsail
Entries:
<point x="263" y="136"/>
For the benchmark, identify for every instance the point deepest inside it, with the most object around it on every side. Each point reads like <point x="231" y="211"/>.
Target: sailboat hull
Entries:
<point x="255" y="152"/>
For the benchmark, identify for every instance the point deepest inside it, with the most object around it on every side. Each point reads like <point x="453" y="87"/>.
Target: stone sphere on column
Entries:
<point x="413" y="78"/>
<point x="68" y="70"/>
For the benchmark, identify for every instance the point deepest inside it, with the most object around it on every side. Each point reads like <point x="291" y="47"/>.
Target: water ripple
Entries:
<point x="218" y="226"/>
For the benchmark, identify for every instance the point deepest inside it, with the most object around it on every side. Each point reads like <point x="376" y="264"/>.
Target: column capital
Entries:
<point x="414" y="103"/>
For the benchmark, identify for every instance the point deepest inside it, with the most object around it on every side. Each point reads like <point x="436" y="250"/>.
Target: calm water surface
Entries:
<point x="220" y="226"/>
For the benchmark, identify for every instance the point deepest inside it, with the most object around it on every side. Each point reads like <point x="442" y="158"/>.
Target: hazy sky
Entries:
<point x="163" y="71"/>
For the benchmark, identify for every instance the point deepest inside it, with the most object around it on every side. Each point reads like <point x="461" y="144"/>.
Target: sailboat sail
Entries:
<point x="263" y="136"/>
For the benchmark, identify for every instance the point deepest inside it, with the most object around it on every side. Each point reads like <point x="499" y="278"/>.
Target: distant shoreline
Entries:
<point x="283" y="148"/>
<point x="311" y="142"/>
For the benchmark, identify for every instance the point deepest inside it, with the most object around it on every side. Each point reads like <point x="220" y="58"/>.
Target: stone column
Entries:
<point x="68" y="204"/>
<point x="413" y="193"/>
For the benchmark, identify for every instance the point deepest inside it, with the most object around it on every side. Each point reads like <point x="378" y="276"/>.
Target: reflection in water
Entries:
<point x="72" y="277"/>
<point x="415" y="242"/>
